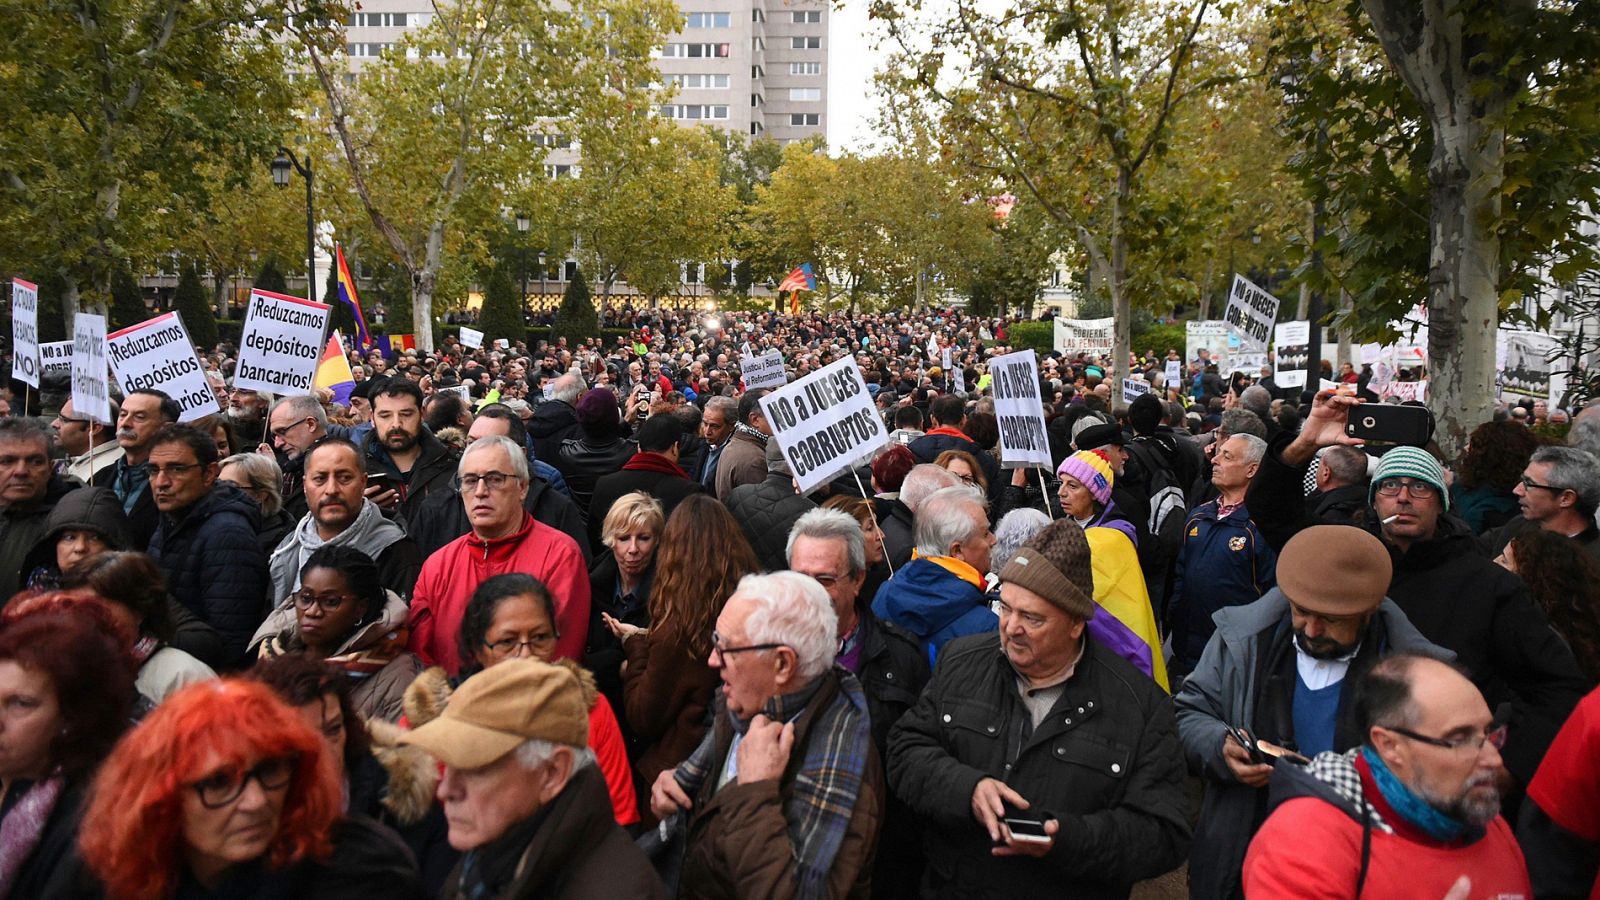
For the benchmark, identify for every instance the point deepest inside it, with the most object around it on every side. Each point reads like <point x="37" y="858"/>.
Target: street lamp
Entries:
<point x="281" y="166"/>
<point x="542" y="273"/>
<point x="522" y="229"/>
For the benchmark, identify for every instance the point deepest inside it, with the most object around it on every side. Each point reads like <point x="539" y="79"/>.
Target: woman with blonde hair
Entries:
<point x="619" y="584"/>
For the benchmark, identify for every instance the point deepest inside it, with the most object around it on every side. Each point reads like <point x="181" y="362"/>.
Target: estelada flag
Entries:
<point x="347" y="293"/>
<point x="333" y="370"/>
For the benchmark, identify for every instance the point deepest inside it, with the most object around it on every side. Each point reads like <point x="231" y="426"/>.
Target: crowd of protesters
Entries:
<point x="556" y="621"/>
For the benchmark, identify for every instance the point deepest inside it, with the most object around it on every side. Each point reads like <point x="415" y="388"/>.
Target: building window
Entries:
<point x="805" y="43"/>
<point x="757" y="73"/>
<point x="758" y="44"/>
<point x="377" y="20"/>
<point x="805" y="95"/>
<point x="695" y="51"/>
<point x="570" y="270"/>
<point x="758" y="15"/>
<point x="798" y="119"/>
<point x="693" y="111"/>
<point x="552" y="141"/>
<point x="698" y="82"/>
<point x="366" y="50"/>
<point x="805" y="68"/>
<point x="755" y="127"/>
<point x="806" y="17"/>
<point x="755" y="100"/>
<point x="709" y="20"/>
<point x="558" y="171"/>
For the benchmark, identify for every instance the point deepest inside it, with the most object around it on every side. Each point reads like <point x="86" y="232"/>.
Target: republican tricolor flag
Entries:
<point x="333" y="370"/>
<point x="347" y="293"/>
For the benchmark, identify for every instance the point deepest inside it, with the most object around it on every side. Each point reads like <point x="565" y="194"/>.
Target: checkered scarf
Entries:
<point x="828" y="781"/>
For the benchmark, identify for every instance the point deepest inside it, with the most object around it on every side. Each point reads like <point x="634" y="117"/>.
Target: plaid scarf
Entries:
<point x="827" y="782"/>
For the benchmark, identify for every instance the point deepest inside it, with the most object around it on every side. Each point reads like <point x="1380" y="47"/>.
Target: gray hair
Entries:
<point x="793" y="610"/>
<point x="1585" y="431"/>
<point x="534" y="752"/>
<point x="303" y="406"/>
<point x="1254" y="447"/>
<point x="1015" y="529"/>
<point x="923" y="481"/>
<point x="1243" y="421"/>
<point x="831" y="525"/>
<point x="942" y="519"/>
<point x="1574" y="470"/>
<point x="17" y="429"/>
<point x="519" y="456"/>
<point x="567" y="388"/>
<point x="728" y="406"/>
<point x="264" y="475"/>
<point x="1257" y="399"/>
<point x="1346" y="465"/>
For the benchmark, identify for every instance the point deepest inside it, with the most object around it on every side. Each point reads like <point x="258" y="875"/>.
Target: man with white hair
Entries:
<point x="784" y="795"/>
<point x="492" y="481"/>
<point x="522" y="796"/>
<point x="920" y="483"/>
<point x="939" y="595"/>
<point x="556" y="419"/>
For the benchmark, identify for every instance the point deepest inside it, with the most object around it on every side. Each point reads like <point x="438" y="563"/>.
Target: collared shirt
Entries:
<point x="1040" y="699"/>
<point x="1319" y="673"/>
<point x="131" y="481"/>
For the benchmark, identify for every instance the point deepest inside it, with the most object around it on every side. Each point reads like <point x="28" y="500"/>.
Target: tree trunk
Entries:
<point x="1121" y="305"/>
<point x="1346" y="353"/>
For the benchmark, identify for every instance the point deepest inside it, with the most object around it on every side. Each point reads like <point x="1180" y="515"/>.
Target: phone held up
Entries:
<point x="1264" y="751"/>
<point x="1385" y="423"/>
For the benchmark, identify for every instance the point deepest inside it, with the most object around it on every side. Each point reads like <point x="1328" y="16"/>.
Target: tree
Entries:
<point x="127" y="301"/>
<point x="501" y="316"/>
<point x="577" y="320"/>
<point x="190" y="301"/>
<point x="270" y="278"/>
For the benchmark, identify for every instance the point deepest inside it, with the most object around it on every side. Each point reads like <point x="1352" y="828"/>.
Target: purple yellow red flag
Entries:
<point x="333" y="370"/>
<point x="347" y="293"/>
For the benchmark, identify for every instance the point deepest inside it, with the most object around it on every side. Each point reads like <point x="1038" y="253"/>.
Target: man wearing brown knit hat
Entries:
<point x="521" y="792"/>
<point x="1038" y="723"/>
<point x="1279" y="670"/>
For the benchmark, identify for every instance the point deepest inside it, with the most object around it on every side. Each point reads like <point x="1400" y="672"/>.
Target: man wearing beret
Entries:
<point x="524" y="801"/>
<point x="1281" y="669"/>
<point x="1443" y="580"/>
<point x="1040" y="722"/>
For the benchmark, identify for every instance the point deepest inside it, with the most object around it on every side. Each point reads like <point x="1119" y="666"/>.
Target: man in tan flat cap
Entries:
<point x="522" y="795"/>
<point x="1279" y="670"/>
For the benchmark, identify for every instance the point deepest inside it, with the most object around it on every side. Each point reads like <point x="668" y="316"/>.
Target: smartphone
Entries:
<point x="379" y="480"/>
<point x="1027" y="830"/>
<point x="1264" y="751"/>
<point x="1411" y="426"/>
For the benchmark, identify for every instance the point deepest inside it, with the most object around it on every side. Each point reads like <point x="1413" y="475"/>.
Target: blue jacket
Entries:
<point x="934" y="604"/>
<point x="1224" y="562"/>
<point x="215" y="567"/>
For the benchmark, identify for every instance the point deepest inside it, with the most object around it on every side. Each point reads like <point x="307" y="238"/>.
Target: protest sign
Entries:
<point x="280" y="344"/>
<point x="25" y="331"/>
<point x="91" y="393"/>
<point x="55" y="357"/>
<point x="1407" y="390"/>
<point x="1251" y="311"/>
<point x="502" y="344"/>
<point x="1250" y="362"/>
<point x="1293" y="344"/>
<point x="824" y="422"/>
<point x="1529" y="364"/>
<point x="460" y="390"/>
<point x="157" y="353"/>
<point x="960" y="385"/>
<point x="1174" y="372"/>
<point x="764" y="371"/>
<point x="944" y="359"/>
<point x="1018" y="410"/>
<point x="1091" y="336"/>
<point x="1134" y="388"/>
<point x="471" y="338"/>
<point x="1211" y="336"/>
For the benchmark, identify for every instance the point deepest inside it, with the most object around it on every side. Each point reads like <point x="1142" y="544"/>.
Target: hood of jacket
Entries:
<point x="280" y="633"/>
<point x="88" y="508"/>
<point x="370" y="533"/>
<point x="551" y="418"/>
<point x="924" y="597"/>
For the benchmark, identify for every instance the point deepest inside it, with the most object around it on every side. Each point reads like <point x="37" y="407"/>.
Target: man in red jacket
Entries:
<point x="1414" y="812"/>
<point x="492" y="479"/>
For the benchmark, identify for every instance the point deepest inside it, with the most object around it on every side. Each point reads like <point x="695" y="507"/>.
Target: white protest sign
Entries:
<point x="1018" y="410"/>
<point x="460" y="390"/>
<point x="933" y="346"/>
<point x="1407" y="390"/>
<point x="1251" y="311"/>
<point x="1250" y="362"/>
<point x="960" y="385"/>
<point x="1134" y="388"/>
<point x="1210" y="335"/>
<point x="91" y="391"/>
<point x="156" y="354"/>
<point x="1529" y="365"/>
<point x="471" y="338"/>
<point x="55" y="356"/>
<point x="25" y="331"/>
<point x="1174" y="372"/>
<point x="280" y="344"/>
<point x="764" y="371"/>
<point x="1091" y="336"/>
<point x="824" y="422"/>
<point x="1293" y="345"/>
<point x="944" y="359"/>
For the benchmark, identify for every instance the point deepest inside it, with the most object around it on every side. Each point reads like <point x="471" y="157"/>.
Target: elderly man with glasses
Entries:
<point x="1414" y="811"/>
<point x="492" y="481"/>
<point x="1443" y="580"/>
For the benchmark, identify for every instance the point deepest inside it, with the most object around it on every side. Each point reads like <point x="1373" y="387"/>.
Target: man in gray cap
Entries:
<point x="767" y="510"/>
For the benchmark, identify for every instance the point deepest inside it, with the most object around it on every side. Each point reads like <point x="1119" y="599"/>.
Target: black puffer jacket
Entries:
<point x="215" y="567"/>
<point x="1105" y="763"/>
<point x="897" y="522"/>
<point x="21" y="524"/>
<point x="583" y="460"/>
<point x="553" y="423"/>
<point x="766" y="512"/>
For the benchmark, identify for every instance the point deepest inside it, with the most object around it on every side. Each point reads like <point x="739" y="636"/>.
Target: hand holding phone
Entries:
<point x="1410" y="426"/>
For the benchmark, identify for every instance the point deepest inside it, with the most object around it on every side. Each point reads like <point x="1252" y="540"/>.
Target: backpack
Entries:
<point x="1151" y="474"/>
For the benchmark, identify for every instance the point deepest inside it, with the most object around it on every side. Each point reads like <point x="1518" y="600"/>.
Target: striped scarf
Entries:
<point x="828" y="781"/>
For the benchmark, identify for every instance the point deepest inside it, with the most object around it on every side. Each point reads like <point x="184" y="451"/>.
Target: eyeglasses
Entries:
<point x="467" y="484"/>
<point x="1419" y="490"/>
<point x="73" y="421"/>
<point x="1494" y="736"/>
<point x="724" y="652"/>
<point x="510" y="645"/>
<point x="223" y="788"/>
<point x="1530" y="484"/>
<point x="327" y="602"/>
<point x="176" y="470"/>
<point x="280" y="432"/>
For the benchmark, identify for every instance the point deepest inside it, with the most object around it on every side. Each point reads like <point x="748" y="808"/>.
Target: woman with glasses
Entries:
<point x="513" y="617"/>
<point x="668" y="682"/>
<point x="343" y="614"/>
<point x="619" y="584"/>
<point x="259" y="476"/>
<point x="965" y="467"/>
<point x="66" y="694"/>
<point x="861" y="509"/>
<point x="225" y="792"/>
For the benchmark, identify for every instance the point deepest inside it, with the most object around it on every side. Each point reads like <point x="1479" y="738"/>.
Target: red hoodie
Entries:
<point x="455" y="570"/>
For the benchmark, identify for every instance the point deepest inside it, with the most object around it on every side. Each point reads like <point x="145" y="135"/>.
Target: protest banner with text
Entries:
<point x="91" y="392"/>
<point x="471" y="338"/>
<point x="157" y="354"/>
<point x="1210" y="335"/>
<point x="280" y="344"/>
<point x="25" y="331"/>
<point x="1134" y="388"/>
<point x="764" y="371"/>
<point x="824" y="422"/>
<point x="1251" y="312"/>
<point x="1019" y="410"/>
<point x="1293" y="347"/>
<point x="55" y="357"/>
<point x="1094" y="337"/>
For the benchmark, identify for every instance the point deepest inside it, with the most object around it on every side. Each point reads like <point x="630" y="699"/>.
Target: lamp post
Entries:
<point x="522" y="241"/>
<point x="542" y="273"/>
<point x="281" y="166"/>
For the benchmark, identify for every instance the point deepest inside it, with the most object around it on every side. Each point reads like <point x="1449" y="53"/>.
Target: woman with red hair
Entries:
<point x="224" y="791"/>
<point x="66" y="693"/>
